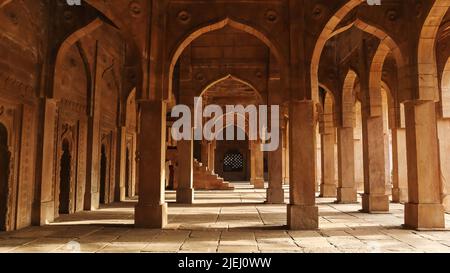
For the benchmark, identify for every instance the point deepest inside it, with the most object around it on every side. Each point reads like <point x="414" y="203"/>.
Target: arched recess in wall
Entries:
<point x="182" y="45"/>
<point x="5" y="158"/>
<point x="427" y="66"/>
<point x="71" y="41"/>
<point x="65" y="177"/>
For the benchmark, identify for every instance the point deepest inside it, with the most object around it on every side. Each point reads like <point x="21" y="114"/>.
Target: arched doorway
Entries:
<point x="4" y="176"/>
<point x="64" y="178"/>
<point x="103" y="174"/>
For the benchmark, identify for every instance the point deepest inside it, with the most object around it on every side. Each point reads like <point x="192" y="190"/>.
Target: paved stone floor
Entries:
<point x="235" y="221"/>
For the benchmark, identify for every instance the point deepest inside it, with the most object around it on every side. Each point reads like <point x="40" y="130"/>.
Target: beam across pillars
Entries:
<point x="151" y="210"/>
<point x="303" y="214"/>
<point x="424" y="209"/>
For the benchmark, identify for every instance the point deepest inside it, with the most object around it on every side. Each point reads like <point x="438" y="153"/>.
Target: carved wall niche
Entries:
<point x="107" y="166"/>
<point x="9" y="163"/>
<point x="66" y="167"/>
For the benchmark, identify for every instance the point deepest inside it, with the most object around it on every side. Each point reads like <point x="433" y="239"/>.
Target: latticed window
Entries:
<point x="233" y="162"/>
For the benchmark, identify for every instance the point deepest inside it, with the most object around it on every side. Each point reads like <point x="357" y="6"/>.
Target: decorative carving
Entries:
<point x="184" y="17"/>
<point x="200" y="77"/>
<point x="318" y="11"/>
<point x="271" y="16"/>
<point x="135" y="9"/>
<point x="392" y="15"/>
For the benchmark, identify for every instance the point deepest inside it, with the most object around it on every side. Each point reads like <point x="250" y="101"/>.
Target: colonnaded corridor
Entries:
<point x="227" y="222"/>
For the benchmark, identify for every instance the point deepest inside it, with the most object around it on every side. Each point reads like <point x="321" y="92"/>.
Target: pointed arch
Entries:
<point x="217" y="26"/>
<point x="427" y="67"/>
<point x="325" y="35"/>
<point x="230" y="76"/>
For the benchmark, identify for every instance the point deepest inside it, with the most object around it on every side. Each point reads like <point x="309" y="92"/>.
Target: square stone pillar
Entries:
<point x="400" y="168"/>
<point x="444" y="156"/>
<point x="346" y="166"/>
<point x="328" y="186"/>
<point x="212" y="156"/>
<point x="275" y="192"/>
<point x="44" y="204"/>
<point x="303" y="214"/>
<point x="205" y="150"/>
<point x="424" y="209"/>
<point x="286" y="154"/>
<point x="121" y="162"/>
<point x="185" y="189"/>
<point x="375" y="198"/>
<point x="257" y="165"/>
<point x="151" y="210"/>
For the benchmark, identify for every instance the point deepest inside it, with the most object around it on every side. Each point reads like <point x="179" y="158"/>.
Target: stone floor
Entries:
<point x="235" y="221"/>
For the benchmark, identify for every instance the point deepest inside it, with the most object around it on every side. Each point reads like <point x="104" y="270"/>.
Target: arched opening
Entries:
<point x="232" y="159"/>
<point x="103" y="175"/>
<point x="65" y="178"/>
<point x="4" y="177"/>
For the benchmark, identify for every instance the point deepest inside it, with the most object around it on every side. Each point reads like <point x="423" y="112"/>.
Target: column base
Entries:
<point x="346" y="195"/>
<point x="399" y="195"/>
<point x="372" y="203"/>
<point x="328" y="191"/>
<point x="150" y="216"/>
<point x="92" y="201"/>
<point x="424" y="216"/>
<point x="303" y="217"/>
<point x="275" y="196"/>
<point x="446" y="203"/>
<point x="185" y="196"/>
<point x="258" y="183"/>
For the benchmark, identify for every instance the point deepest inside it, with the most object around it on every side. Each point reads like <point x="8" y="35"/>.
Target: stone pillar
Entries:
<point x="424" y="208"/>
<point x="328" y="185"/>
<point x="257" y="168"/>
<point x="285" y="137"/>
<point x="185" y="189"/>
<point x="346" y="166"/>
<point x="44" y="204"/>
<point x="400" y="169"/>
<point x="212" y="156"/>
<point x="120" y="190"/>
<point x="206" y="146"/>
<point x="151" y="210"/>
<point x="303" y="214"/>
<point x="375" y="198"/>
<point x="444" y="148"/>
<point x="275" y="192"/>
